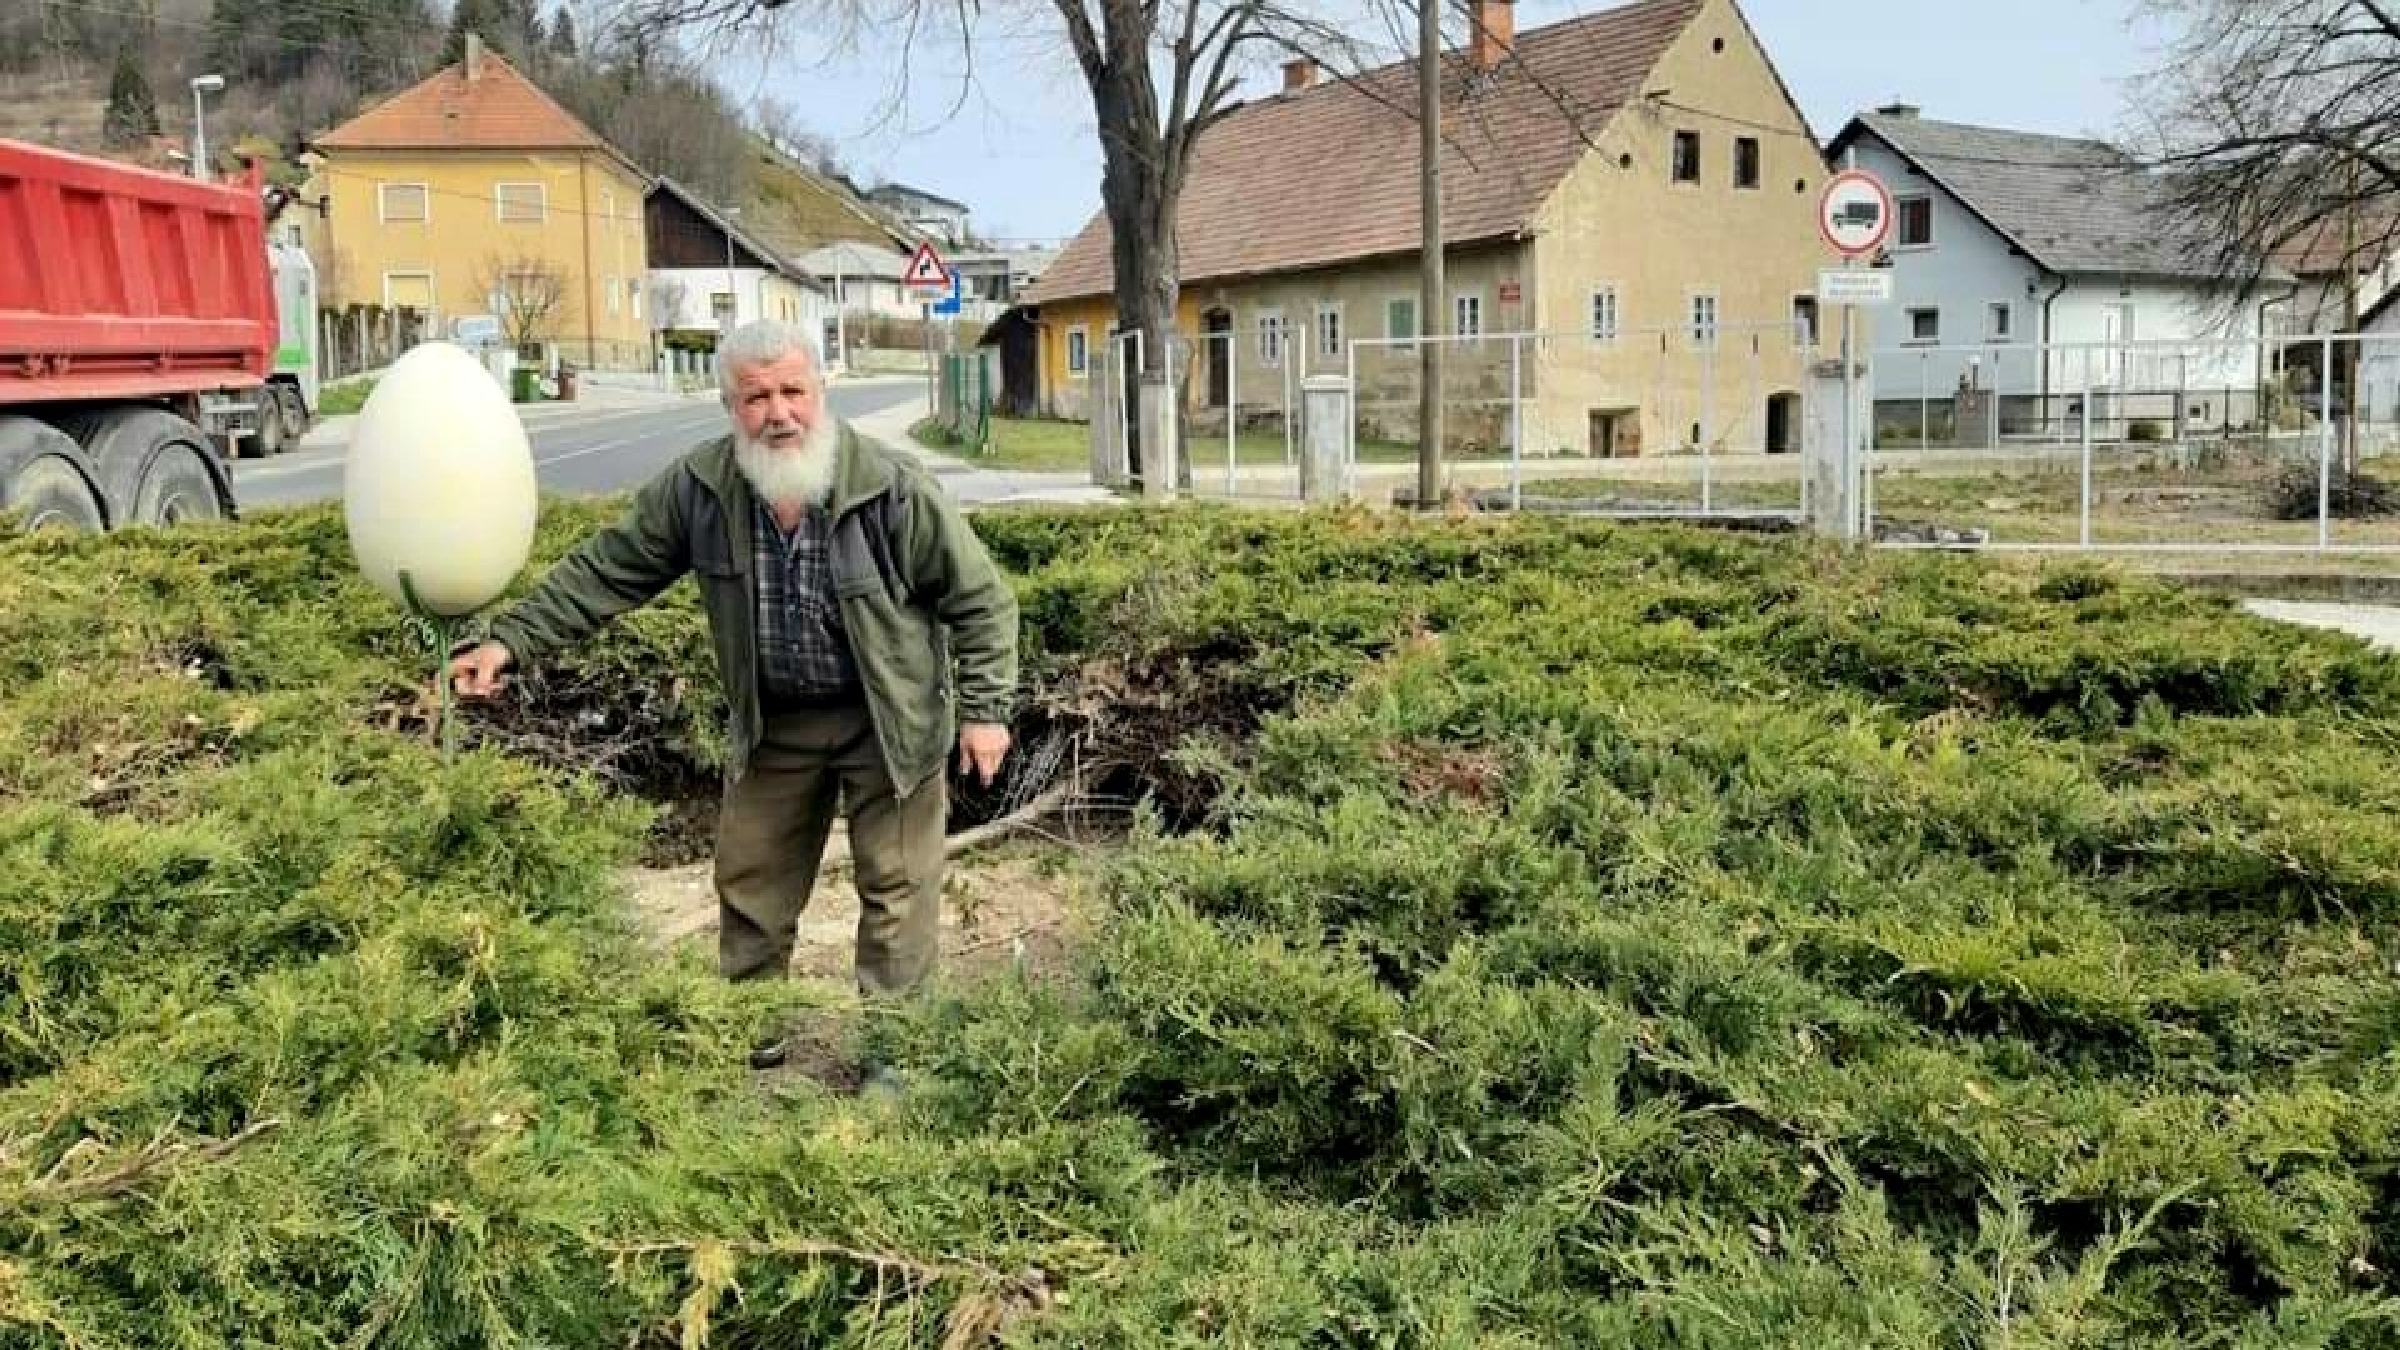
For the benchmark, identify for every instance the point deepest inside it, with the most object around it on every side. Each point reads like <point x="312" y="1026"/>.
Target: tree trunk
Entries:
<point x="1138" y="189"/>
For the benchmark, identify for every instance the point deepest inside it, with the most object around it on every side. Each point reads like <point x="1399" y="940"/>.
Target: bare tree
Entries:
<point x="526" y="292"/>
<point x="667" y="297"/>
<point x="2279" y="130"/>
<point x="1160" y="73"/>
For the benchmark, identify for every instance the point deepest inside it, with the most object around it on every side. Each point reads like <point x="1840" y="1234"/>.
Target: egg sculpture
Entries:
<point x="440" y="483"/>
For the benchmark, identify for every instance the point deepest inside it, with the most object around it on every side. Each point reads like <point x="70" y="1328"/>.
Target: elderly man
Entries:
<point x="842" y="586"/>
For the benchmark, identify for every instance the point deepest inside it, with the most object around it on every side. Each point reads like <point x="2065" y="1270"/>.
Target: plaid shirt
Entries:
<point x="803" y="653"/>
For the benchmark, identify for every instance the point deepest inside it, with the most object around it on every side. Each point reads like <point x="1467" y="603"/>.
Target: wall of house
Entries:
<point x="591" y="233"/>
<point x="760" y="295"/>
<point x="1620" y="221"/>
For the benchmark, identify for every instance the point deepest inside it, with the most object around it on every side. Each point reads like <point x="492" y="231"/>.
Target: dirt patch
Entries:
<point x="1009" y="905"/>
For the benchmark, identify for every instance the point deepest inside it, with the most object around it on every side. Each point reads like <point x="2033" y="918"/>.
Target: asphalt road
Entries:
<point x="575" y="450"/>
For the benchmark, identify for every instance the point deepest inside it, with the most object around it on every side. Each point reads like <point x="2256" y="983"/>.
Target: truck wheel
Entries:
<point x="44" y="479"/>
<point x="156" y="468"/>
<point x="295" y="414"/>
<point x="270" y="440"/>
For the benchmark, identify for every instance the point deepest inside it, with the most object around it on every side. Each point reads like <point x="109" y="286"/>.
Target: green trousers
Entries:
<point x="771" y="837"/>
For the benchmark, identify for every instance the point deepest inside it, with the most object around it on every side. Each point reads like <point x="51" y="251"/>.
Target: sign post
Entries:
<point x="1855" y="216"/>
<point x="925" y="275"/>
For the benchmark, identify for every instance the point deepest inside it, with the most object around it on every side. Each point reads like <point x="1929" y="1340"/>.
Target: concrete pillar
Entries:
<point x="1835" y="472"/>
<point x="1160" y="449"/>
<point x="1325" y="445"/>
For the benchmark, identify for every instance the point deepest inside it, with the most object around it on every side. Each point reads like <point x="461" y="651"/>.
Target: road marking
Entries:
<point x="292" y="466"/>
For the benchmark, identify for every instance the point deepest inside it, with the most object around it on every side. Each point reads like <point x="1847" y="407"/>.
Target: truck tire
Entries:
<point x="45" y="479"/>
<point x="155" y="468"/>
<point x="270" y="440"/>
<point x="294" y="411"/>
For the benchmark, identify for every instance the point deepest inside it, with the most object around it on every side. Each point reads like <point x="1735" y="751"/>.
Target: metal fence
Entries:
<point x="367" y="337"/>
<point x="2243" y="445"/>
<point x="1703" y="419"/>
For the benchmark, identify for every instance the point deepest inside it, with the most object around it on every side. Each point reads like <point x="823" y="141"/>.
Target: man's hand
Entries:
<point x="981" y="747"/>
<point x="481" y="672"/>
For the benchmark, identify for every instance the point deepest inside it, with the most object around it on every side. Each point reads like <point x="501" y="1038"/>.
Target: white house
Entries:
<point x="927" y="213"/>
<point x="707" y="274"/>
<point x="2032" y="268"/>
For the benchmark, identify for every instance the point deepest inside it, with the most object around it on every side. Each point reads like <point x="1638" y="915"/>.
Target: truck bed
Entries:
<point x="122" y="283"/>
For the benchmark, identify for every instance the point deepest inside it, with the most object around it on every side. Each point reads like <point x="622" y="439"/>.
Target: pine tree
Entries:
<point x="132" y="110"/>
<point x="562" y="36"/>
<point x="480" y="17"/>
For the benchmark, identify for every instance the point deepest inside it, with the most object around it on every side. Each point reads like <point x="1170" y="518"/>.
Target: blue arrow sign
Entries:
<point x="947" y="306"/>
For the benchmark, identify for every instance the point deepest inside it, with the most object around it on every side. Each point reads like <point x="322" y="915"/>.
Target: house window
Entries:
<point x="1704" y="321"/>
<point x="1687" y="156"/>
<point x="1400" y="318"/>
<point x="1745" y="162"/>
<point x="1270" y="337"/>
<point x="400" y="203"/>
<point x="408" y="290"/>
<point x="633" y="295"/>
<point x="2003" y="321"/>
<point x="1804" y="321"/>
<point x="1079" y="351"/>
<point x="1916" y="222"/>
<point x="1924" y="326"/>
<point x="1329" y="330"/>
<point x="1467" y="315"/>
<point x="521" y="203"/>
<point x="1604" y="314"/>
<point x="610" y="286"/>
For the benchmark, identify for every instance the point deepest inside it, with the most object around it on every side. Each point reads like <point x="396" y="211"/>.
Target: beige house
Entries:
<point x="1636" y="186"/>
<point x="473" y="193"/>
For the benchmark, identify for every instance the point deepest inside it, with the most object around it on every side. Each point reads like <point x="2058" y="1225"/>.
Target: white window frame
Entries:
<point x="1900" y="222"/>
<point x="1273" y="336"/>
<point x="2006" y="329"/>
<point x="1459" y="325"/>
<point x="1702" y="333"/>
<point x="1079" y="352"/>
<point x="1415" y="329"/>
<point x="615" y="301"/>
<point x="426" y="272"/>
<point x="541" y="203"/>
<point x="1909" y="317"/>
<point x="1607" y="313"/>
<point x="1329" y="349"/>
<point x="383" y="204"/>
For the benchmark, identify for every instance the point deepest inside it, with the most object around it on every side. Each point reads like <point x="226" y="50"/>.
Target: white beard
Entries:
<point x="790" y="477"/>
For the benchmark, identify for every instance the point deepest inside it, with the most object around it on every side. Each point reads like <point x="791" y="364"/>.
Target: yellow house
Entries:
<point x="474" y="193"/>
<point x="1633" y="191"/>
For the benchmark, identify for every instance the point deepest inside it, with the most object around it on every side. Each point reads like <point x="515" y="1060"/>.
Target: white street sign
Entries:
<point x="1855" y="214"/>
<point x="1846" y="286"/>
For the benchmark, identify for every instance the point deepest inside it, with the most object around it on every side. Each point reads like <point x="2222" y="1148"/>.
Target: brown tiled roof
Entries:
<point x="2320" y="249"/>
<point x="497" y="110"/>
<point x="1330" y="174"/>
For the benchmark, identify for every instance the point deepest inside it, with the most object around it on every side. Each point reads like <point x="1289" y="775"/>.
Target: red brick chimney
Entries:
<point x="1494" y="32"/>
<point x="1299" y="73"/>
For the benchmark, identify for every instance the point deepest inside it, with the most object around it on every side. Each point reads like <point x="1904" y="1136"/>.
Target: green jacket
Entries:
<point x="912" y="609"/>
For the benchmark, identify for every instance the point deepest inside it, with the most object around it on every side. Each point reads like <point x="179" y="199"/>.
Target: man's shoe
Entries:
<point x="771" y="1054"/>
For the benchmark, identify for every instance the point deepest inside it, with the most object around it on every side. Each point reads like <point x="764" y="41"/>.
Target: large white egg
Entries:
<point x="440" y="482"/>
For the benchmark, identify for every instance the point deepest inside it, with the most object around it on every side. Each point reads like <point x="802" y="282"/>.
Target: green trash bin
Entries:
<point x="522" y="382"/>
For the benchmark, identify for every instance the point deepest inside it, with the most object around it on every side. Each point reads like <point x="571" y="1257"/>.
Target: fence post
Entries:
<point x="1327" y="420"/>
<point x="1349" y="462"/>
<point x="1516" y="422"/>
<point x="1233" y="414"/>
<point x="2325" y="448"/>
<point x="1708" y="399"/>
<point x="2085" y="530"/>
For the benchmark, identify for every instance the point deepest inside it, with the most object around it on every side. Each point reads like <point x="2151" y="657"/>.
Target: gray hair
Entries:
<point x="764" y="342"/>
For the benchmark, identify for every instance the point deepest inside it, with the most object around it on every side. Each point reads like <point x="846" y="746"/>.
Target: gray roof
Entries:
<point x="2073" y="206"/>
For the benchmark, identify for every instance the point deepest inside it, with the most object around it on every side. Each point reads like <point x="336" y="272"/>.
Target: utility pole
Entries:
<point x="1430" y="326"/>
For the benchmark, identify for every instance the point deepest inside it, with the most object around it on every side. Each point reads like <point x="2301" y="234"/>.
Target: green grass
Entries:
<point x="1535" y="933"/>
<point x="336" y="400"/>
<point x="1047" y="445"/>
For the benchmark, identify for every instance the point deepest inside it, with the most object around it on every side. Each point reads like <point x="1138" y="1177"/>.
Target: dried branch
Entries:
<point x="62" y="1185"/>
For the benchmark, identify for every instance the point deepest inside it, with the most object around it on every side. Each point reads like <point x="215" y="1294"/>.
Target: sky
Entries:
<point x="1017" y="142"/>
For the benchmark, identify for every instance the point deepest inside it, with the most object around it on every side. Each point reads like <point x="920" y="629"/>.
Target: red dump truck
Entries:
<point x="138" y="335"/>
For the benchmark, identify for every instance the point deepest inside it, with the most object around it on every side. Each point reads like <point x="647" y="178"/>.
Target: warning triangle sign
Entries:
<point x="927" y="269"/>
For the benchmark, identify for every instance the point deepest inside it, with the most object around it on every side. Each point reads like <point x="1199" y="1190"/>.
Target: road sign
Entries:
<point x="926" y="269"/>
<point x="1855" y="214"/>
<point x="1859" y="286"/>
<point x="947" y="306"/>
